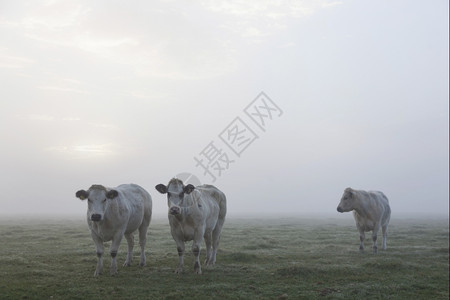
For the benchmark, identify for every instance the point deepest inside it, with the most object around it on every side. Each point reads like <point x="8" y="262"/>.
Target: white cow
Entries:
<point x="195" y="213"/>
<point x="371" y="212"/>
<point x="113" y="213"/>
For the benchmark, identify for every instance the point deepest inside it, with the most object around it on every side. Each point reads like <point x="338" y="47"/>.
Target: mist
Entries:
<point x="108" y="93"/>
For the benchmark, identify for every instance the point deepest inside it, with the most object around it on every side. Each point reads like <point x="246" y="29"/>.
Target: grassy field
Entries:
<point x="258" y="259"/>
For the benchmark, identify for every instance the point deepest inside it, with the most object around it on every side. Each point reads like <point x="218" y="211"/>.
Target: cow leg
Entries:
<point x="113" y="251"/>
<point x="176" y="233"/>
<point x="196" y="245"/>
<point x="143" y="240"/>
<point x="375" y="247"/>
<point x="196" y="250"/>
<point x="374" y="237"/>
<point x="362" y="236"/>
<point x="207" y="238"/>
<point x="130" y="242"/>
<point x="180" y="249"/>
<point x="384" y="229"/>
<point x="216" y="239"/>
<point x="100" y="250"/>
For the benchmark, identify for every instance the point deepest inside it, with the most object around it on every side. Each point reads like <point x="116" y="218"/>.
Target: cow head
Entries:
<point x="175" y="190"/>
<point x="347" y="201"/>
<point x="98" y="200"/>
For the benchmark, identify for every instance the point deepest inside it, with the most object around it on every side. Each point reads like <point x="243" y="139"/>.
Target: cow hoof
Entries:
<point x="178" y="270"/>
<point x="199" y="272"/>
<point x="127" y="264"/>
<point x="96" y="274"/>
<point x="142" y="264"/>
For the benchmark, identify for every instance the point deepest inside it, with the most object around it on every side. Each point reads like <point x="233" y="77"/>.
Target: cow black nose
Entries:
<point x="174" y="210"/>
<point x="96" y="217"/>
<point x="339" y="209"/>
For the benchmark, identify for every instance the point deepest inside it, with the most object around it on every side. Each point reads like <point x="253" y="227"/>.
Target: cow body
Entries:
<point x="195" y="213"/>
<point x="113" y="213"/>
<point x="371" y="211"/>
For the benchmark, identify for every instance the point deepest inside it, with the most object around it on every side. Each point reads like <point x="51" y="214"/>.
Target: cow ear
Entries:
<point x="82" y="194"/>
<point x="112" y="194"/>
<point x="189" y="188"/>
<point x="349" y="192"/>
<point x="161" y="188"/>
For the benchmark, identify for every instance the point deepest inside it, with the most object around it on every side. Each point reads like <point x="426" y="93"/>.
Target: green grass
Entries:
<point x="257" y="259"/>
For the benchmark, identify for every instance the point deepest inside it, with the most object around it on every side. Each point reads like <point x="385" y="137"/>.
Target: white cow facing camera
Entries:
<point x="195" y="213"/>
<point x="113" y="213"/>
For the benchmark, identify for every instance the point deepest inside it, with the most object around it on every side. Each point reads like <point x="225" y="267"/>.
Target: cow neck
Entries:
<point x="185" y="210"/>
<point x="362" y="209"/>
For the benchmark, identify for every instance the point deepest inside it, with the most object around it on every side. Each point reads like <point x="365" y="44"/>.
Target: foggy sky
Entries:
<point x="114" y="92"/>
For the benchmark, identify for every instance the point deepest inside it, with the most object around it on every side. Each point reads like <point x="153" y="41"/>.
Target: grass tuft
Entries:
<point x="385" y="265"/>
<point x="301" y="271"/>
<point x="241" y="257"/>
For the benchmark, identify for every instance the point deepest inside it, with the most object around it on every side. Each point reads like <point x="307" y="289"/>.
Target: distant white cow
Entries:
<point x="195" y="213"/>
<point x="113" y="213"/>
<point x="371" y="212"/>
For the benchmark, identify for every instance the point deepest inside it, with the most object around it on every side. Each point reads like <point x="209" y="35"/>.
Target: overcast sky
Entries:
<point x="110" y="92"/>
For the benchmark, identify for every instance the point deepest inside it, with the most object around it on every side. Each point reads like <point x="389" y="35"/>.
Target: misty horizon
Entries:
<point x="281" y="105"/>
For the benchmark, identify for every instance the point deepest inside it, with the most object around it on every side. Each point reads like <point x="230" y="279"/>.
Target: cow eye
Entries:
<point x="89" y="200"/>
<point x="104" y="200"/>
